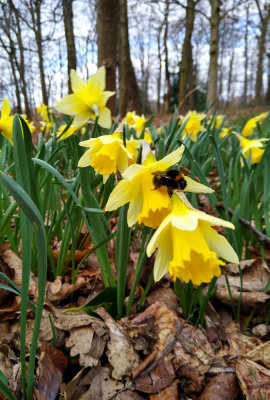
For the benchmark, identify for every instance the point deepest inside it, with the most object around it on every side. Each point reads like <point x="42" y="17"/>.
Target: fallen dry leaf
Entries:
<point x="160" y="377"/>
<point x="221" y="387"/>
<point x="261" y="353"/>
<point x="57" y="290"/>
<point x="79" y="254"/>
<point x="12" y="310"/>
<point x="254" y="380"/>
<point x="169" y="393"/>
<point x="164" y="296"/>
<point x="120" y="351"/>
<point x="52" y="364"/>
<point x="84" y="341"/>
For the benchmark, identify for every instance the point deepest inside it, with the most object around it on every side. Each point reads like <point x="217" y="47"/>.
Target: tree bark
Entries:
<point x="167" y="72"/>
<point x="244" y="99"/>
<point x="186" y="81"/>
<point x="128" y="89"/>
<point x="159" y="69"/>
<point x="211" y="99"/>
<point x="108" y="11"/>
<point x="70" y="40"/>
<point x="36" y="21"/>
<point x="261" y="45"/>
<point x="21" y="65"/>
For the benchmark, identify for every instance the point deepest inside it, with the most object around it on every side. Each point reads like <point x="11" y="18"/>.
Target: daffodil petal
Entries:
<point x="122" y="193"/>
<point x="159" y="235"/>
<point x="104" y="119"/>
<point x="187" y="222"/>
<point x="134" y="169"/>
<point x="134" y="209"/>
<point x="5" y="109"/>
<point x="219" y="244"/>
<point x="162" y="261"/>
<point x="76" y="82"/>
<point x="82" y="118"/>
<point x="214" y="221"/>
<point x="71" y="105"/>
<point x="171" y="159"/>
<point x="85" y="159"/>
<point x="196" y="187"/>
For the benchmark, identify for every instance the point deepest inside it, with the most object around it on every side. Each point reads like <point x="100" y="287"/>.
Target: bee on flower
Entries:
<point x="149" y="203"/>
<point x="88" y="100"/>
<point x="193" y="125"/>
<point x="252" y="124"/>
<point x="6" y="121"/>
<point x="188" y="246"/>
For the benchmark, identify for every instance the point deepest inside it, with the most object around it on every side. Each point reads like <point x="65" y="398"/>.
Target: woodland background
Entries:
<point x="156" y="52"/>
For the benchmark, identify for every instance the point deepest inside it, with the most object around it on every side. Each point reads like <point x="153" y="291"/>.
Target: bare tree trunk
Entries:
<point x="213" y="64"/>
<point x="261" y="45"/>
<point x="159" y="70"/>
<point x="70" y="40"/>
<point x="34" y="7"/>
<point x="108" y="11"/>
<point x="167" y="72"/>
<point x="230" y="79"/>
<point x="128" y="89"/>
<point x="21" y="65"/>
<point x="267" y="96"/>
<point x="186" y="82"/>
<point x="244" y="100"/>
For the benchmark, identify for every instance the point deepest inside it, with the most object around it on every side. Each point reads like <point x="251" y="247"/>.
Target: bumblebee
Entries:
<point x="172" y="179"/>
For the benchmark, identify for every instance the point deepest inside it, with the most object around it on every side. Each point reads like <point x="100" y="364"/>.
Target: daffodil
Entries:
<point x="148" y="204"/>
<point x="107" y="154"/>
<point x="44" y="112"/>
<point x="148" y="137"/>
<point x="130" y="118"/>
<point x="188" y="246"/>
<point x="88" y="100"/>
<point x="69" y="132"/>
<point x="193" y="125"/>
<point x="252" y="123"/>
<point x="252" y="149"/>
<point x="218" y="121"/>
<point x="224" y="132"/>
<point x="30" y="125"/>
<point x="6" y="121"/>
<point x="139" y="126"/>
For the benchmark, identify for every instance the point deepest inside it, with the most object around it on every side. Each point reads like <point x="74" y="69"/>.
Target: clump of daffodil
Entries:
<point x="218" y="121"/>
<point x="160" y="130"/>
<point x="224" y="132"/>
<point x="137" y="122"/>
<point x="252" y="123"/>
<point x="107" y="154"/>
<point x="88" y="100"/>
<point x="188" y="246"/>
<point x="46" y="115"/>
<point x="130" y="118"/>
<point x="6" y="121"/>
<point x="193" y="125"/>
<point x="148" y="205"/>
<point x="252" y="149"/>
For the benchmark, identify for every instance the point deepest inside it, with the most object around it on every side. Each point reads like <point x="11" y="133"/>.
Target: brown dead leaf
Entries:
<point x="75" y="388"/>
<point x="160" y="377"/>
<point x="102" y="386"/>
<point x="169" y="393"/>
<point x="164" y="322"/>
<point x="248" y="299"/>
<point x="190" y="378"/>
<point x="261" y="353"/>
<point x="11" y="311"/>
<point x="129" y="395"/>
<point x="14" y="262"/>
<point x="79" y="254"/>
<point x="120" y="350"/>
<point x="52" y="364"/>
<point x="4" y="268"/>
<point x="254" y="380"/>
<point x="221" y="387"/>
<point x="84" y="341"/>
<point x="57" y="290"/>
<point x="10" y="366"/>
<point x="164" y="296"/>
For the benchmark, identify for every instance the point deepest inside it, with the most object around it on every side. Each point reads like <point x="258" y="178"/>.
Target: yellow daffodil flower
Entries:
<point x="188" y="246"/>
<point x="130" y="118"/>
<point x="132" y="147"/>
<point x="193" y="125"/>
<point x="252" y="123"/>
<point x="30" y="125"/>
<point x="218" y="120"/>
<point x="45" y="113"/>
<point x="107" y="154"/>
<point x="69" y="132"/>
<point x="6" y="121"/>
<point x="88" y="100"/>
<point x="252" y="148"/>
<point x="224" y="132"/>
<point x="160" y="130"/>
<point x="148" y="204"/>
<point x="140" y="122"/>
<point x="148" y="137"/>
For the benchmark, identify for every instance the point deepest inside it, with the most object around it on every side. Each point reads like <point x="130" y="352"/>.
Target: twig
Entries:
<point x="187" y="95"/>
<point x="265" y="240"/>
